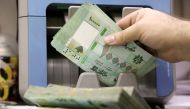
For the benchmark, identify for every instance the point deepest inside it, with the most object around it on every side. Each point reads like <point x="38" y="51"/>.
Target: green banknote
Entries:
<point x="86" y="98"/>
<point x="81" y="40"/>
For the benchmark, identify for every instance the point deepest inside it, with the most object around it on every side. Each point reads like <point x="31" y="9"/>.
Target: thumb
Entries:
<point x="128" y="35"/>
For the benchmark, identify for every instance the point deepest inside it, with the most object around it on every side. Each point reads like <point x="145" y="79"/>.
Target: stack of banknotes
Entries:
<point x="86" y="98"/>
<point x="81" y="40"/>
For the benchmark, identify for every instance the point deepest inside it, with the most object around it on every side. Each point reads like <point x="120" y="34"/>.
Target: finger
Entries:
<point x="128" y="35"/>
<point x="148" y="49"/>
<point x="128" y="20"/>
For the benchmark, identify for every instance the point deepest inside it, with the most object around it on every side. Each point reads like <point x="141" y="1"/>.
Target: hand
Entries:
<point x="166" y="36"/>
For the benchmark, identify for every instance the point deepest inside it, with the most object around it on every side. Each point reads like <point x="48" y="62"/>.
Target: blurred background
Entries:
<point x="181" y="8"/>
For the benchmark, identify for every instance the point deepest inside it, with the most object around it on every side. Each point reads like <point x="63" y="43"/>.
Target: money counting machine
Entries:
<point x="40" y="64"/>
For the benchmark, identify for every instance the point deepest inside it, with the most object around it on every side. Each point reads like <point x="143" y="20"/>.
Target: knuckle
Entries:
<point x="120" y="37"/>
<point x="146" y="9"/>
<point x="139" y="28"/>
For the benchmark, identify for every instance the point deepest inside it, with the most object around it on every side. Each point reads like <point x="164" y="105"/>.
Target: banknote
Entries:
<point x="86" y="98"/>
<point x="81" y="40"/>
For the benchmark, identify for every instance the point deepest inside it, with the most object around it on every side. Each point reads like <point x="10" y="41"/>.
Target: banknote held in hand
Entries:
<point x="81" y="40"/>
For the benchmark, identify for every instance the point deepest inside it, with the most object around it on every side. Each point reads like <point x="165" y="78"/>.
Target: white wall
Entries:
<point x="8" y="17"/>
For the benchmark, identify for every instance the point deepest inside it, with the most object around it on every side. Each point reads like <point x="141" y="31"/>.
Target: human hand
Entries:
<point x="165" y="36"/>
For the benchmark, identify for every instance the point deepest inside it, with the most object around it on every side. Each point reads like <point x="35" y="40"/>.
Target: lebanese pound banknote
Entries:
<point x="86" y="98"/>
<point x="81" y="40"/>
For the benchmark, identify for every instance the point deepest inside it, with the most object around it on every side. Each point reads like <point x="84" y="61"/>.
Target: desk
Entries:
<point x="179" y="102"/>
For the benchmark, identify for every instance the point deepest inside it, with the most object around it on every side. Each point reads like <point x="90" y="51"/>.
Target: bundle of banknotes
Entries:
<point x="86" y="98"/>
<point x="81" y="40"/>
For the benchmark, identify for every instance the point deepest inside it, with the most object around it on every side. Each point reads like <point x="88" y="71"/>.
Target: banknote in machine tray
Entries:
<point x="86" y="98"/>
<point x="81" y="40"/>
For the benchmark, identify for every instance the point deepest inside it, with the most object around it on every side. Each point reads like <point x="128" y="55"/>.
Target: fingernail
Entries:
<point x="110" y="39"/>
